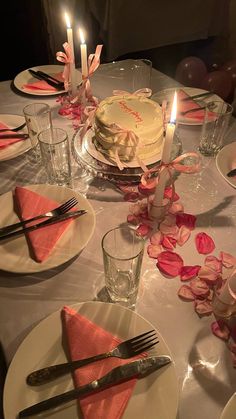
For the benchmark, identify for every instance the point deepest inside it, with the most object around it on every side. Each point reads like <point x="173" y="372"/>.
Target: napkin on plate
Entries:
<point x="86" y="339"/>
<point x="189" y="104"/>
<point x="42" y="84"/>
<point x="8" y="141"/>
<point x="43" y="240"/>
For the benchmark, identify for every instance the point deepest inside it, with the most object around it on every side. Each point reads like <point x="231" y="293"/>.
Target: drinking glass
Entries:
<point x="122" y="256"/>
<point x="214" y="128"/>
<point x="55" y="153"/>
<point x="37" y="117"/>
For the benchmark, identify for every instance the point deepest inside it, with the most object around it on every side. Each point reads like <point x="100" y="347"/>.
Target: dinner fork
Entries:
<point x="14" y="129"/>
<point x="124" y="350"/>
<point x="211" y="106"/>
<point x="62" y="209"/>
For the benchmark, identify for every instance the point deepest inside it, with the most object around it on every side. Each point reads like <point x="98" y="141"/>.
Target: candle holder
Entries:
<point x="224" y="298"/>
<point x="157" y="213"/>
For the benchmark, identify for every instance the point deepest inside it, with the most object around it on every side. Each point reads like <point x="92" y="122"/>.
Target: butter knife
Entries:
<point x="59" y="85"/>
<point x="139" y="369"/>
<point x="8" y="136"/>
<point x="45" y="223"/>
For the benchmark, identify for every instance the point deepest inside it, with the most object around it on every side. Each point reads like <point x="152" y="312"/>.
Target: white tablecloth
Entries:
<point x="203" y="365"/>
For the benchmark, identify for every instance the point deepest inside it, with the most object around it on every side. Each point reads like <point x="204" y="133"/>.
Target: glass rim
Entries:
<point x="50" y="130"/>
<point x="142" y="241"/>
<point x="33" y="104"/>
<point x="221" y="102"/>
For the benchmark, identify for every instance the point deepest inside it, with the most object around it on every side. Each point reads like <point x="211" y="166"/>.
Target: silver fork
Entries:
<point x="62" y="209"/>
<point x="14" y="129"/>
<point x="211" y="106"/>
<point x="126" y="349"/>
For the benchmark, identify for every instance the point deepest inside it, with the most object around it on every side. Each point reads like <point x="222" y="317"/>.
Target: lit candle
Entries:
<point x="72" y="65"/>
<point x="84" y="59"/>
<point x="166" y="153"/>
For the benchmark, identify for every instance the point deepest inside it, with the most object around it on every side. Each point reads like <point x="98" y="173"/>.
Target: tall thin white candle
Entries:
<point x="72" y="65"/>
<point x="166" y="153"/>
<point x="84" y="58"/>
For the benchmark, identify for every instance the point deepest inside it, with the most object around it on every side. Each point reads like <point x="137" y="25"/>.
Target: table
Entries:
<point x="205" y="373"/>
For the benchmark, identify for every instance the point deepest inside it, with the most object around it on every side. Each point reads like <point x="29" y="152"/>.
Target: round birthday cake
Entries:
<point x="128" y="127"/>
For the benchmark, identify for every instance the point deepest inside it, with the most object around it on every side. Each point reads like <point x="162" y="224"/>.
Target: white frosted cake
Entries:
<point x="128" y="127"/>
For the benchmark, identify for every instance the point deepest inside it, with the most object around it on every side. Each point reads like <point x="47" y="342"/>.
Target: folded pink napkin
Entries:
<point x="6" y="142"/>
<point x="189" y="104"/>
<point x="42" y="241"/>
<point x="42" y="84"/>
<point x="86" y="339"/>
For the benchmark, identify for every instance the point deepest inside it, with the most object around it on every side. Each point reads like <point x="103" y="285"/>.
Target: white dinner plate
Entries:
<point x="15" y="255"/>
<point x="191" y="91"/>
<point x="20" y="147"/>
<point x="229" y="411"/>
<point x="25" y="77"/>
<point x="226" y="161"/>
<point x="154" y="397"/>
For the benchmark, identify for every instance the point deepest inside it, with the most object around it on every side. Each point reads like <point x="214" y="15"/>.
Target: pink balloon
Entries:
<point x="218" y="82"/>
<point x="230" y="67"/>
<point x="191" y="71"/>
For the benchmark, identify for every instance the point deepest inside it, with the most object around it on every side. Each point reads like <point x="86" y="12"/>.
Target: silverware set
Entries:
<point x="52" y="81"/>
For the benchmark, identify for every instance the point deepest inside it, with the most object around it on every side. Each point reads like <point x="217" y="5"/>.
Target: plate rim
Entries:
<point x="77" y="306"/>
<point x="219" y="156"/>
<point x="26" y="142"/>
<point x="227" y="406"/>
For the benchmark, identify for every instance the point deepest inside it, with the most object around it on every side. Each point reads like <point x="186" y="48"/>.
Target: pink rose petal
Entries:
<point x="183" y="236"/>
<point x="204" y="243"/>
<point x="143" y="230"/>
<point x="146" y="190"/>
<point x="220" y="329"/>
<point x="168" y="194"/>
<point x="214" y="263"/>
<point x="228" y="261"/>
<point x="186" y="293"/>
<point x="169" y="263"/>
<point x="203" y="308"/>
<point x="169" y="230"/>
<point x="154" y="250"/>
<point x="208" y="275"/>
<point x="199" y="287"/>
<point x="188" y="220"/>
<point x="133" y="219"/>
<point x="168" y="242"/>
<point x="156" y="238"/>
<point x="138" y="209"/>
<point x="176" y="207"/>
<point x="189" y="272"/>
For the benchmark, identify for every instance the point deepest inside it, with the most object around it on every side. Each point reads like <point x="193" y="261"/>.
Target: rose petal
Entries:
<point x="214" y="263"/>
<point x="154" y="250"/>
<point x="146" y="190"/>
<point x="203" y="308"/>
<point x="183" y="236"/>
<point x="208" y="275"/>
<point x="138" y="209"/>
<point x="188" y="220"/>
<point x="199" y="287"/>
<point x="176" y="207"/>
<point x="169" y="230"/>
<point x="143" y="230"/>
<point x="168" y="194"/>
<point x="156" y="238"/>
<point x="133" y="219"/>
<point x="168" y="242"/>
<point x="220" y="329"/>
<point x="188" y="272"/>
<point x="186" y="293"/>
<point x="228" y="261"/>
<point x="204" y="243"/>
<point x="169" y="263"/>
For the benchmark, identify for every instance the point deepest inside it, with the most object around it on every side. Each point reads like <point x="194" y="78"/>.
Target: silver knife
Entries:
<point x="45" y="223"/>
<point x="8" y="136"/>
<point x="205" y="94"/>
<point x="139" y="369"/>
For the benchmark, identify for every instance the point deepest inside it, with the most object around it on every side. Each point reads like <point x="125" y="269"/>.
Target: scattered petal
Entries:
<point x="169" y="263"/>
<point x="220" y="329"/>
<point x="203" y="308"/>
<point x="138" y="208"/>
<point x="208" y="275"/>
<point x="143" y="230"/>
<point x="186" y="293"/>
<point x="168" y="194"/>
<point x="154" y="250"/>
<point x="188" y="220"/>
<point x="169" y="230"/>
<point x="146" y="190"/>
<point x="176" y="207"/>
<point x="156" y="238"/>
<point x="133" y="219"/>
<point x="189" y="272"/>
<point x="183" y="236"/>
<point x="199" y="287"/>
<point x="204" y="243"/>
<point x="169" y="242"/>
<point x="214" y="263"/>
<point x="228" y="261"/>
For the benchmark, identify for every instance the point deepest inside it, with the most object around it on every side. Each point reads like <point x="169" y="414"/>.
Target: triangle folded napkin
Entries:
<point x="8" y="141"/>
<point x="187" y="105"/>
<point x="86" y="339"/>
<point x="42" y="84"/>
<point x="42" y="241"/>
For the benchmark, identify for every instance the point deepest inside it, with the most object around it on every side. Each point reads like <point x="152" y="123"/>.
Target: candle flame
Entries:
<point x="67" y="19"/>
<point x="81" y="34"/>
<point x="174" y="109"/>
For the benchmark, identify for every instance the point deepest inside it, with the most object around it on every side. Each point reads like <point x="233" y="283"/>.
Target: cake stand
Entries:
<point x="97" y="165"/>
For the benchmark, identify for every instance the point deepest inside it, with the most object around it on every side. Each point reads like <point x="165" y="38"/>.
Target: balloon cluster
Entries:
<point x="192" y="72"/>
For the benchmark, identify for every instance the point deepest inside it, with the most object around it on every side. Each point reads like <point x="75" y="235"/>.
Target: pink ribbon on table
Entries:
<point x="87" y="117"/>
<point x="144" y="92"/>
<point x="66" y="58"/>
<point x="173" y="165"/>
<point x="93" y="64"/>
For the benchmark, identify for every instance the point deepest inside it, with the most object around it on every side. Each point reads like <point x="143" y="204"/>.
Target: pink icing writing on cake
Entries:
<point x="130" y="111"/>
